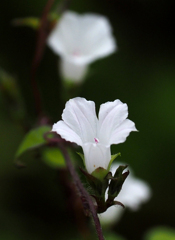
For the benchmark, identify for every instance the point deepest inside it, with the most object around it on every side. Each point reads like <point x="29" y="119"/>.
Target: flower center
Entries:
<point x="76" y="53"/>
<point x="96" y="140"/>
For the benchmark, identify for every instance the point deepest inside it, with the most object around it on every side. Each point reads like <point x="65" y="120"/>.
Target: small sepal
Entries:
<point x="117" y="182"/>
<point x="100" y="173"/>
<point x="82" y="157"/>
<point x="98" y="186"/>
<point x="113" y="157"/>
<point x="119" y="204"/>
<point x="109" y="203"/>
<point x="98" y="182"/>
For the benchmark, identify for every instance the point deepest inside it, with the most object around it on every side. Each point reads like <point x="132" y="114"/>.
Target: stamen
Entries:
<point x="76" y="53"/>
<point x="96" y="140"/>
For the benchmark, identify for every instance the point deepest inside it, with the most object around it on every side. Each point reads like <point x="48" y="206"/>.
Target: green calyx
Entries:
<point x="117" y="182"/>
<point x="101" y="179"/>
<point x="100" y="172"/>
<point x="82" y="157"/>
<point x="97" y="186"/>
<point x="113" y="157"/>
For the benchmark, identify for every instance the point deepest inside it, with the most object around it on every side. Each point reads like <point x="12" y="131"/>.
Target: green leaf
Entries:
<point x="53" y="157"/>
<point x="161" y="233"/>
<point x="33" y="139"/>
<point x="8" y="84"/>
<point x="32" y="22"/>
<point x="113" y="157"/>
<point x="82" y="157"/>
<point x="112" y="236"/>
<point x="53" y="16"/>
<point x="11" y="96"/>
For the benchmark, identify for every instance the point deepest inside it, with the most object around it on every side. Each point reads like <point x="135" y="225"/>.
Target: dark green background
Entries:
<point x="141" y="73"/>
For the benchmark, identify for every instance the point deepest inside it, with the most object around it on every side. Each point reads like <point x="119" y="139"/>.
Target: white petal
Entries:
<point x="82" y="38"/>
<point x="96" y="40"/>
<point x="72" y="71"/>
<point x="111" y="115"/>
<point x="112" y="215"/>
<point x="120" y="134"/>
<point x="66" y="132"/>
<point x="103" y="48"/>
<point x="63" y="38"/>
<point x="96" y="155"/>
<point x="79" y="114"/>
<point x="134" y="191"/>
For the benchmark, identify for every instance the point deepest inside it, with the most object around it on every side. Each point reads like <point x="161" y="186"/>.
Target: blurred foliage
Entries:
<point x="161" y="233"/>
<point x="112" y="236"/>
<point x="34" y="202"/>
<point x="28" y="21"/>
<point x="53" y="157"/>
<point x="10" y="96"/>
<point x="33" y="139"/>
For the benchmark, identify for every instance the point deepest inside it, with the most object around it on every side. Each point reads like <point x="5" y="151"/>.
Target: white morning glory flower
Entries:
<point x="95" y="135"/>
<point x="134" y="193"/>
<point x="80" y="40"/>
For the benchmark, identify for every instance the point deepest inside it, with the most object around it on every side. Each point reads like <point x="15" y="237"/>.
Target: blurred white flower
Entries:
<point x="80" y="40"/>
<point x="134" y="193"/>
<point x="95" y="135"/>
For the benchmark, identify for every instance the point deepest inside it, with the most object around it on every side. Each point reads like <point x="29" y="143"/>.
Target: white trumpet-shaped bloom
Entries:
<point x="80" y="40"/>
<point x="134" y="193"/>
<point x="95" y="135"/>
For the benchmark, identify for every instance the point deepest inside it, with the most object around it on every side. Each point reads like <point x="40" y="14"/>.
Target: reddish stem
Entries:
<point x="42" y="35"/>
<point x="85" y="197"/>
